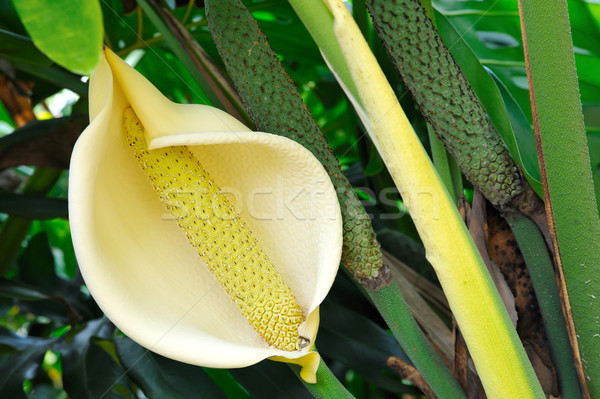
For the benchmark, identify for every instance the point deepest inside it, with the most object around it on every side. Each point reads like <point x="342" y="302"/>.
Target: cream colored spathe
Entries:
<point x="138" y="264"/>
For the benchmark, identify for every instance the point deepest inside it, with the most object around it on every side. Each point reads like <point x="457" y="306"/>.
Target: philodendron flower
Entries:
<point x="201" y="240"/>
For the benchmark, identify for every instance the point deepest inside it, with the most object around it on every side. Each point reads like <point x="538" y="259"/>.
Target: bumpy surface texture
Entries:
<point x="445" y="97"/>
<point x="275" y="106"/>
<point x="221" y="237"/>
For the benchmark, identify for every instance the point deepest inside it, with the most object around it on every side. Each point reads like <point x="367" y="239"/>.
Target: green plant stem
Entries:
<point x="392" y="306"/>
<point x="15" y="229"/>
<point x="55" y="75"/>
<point x="445" y="165"/>
<point x="566" y="172"/>
<point x="327" y="385"/>
<point x="534" y="250"/>
<point x="359" y="12"/>
<point x="207" y="96"/>
<point x="216" y="83"/>
<point x="497" y="352"/>
<point x="428" y="7"/>
<point x="318" y="20"/>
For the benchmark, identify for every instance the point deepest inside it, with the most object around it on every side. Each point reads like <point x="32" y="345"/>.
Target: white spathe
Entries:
<point x="138" y="264"/>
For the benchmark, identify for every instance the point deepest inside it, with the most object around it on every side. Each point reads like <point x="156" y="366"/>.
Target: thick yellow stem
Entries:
<point x="497" y="352"/>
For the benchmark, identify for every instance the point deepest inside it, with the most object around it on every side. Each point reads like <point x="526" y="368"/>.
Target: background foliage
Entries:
<point x="55" y="342"/>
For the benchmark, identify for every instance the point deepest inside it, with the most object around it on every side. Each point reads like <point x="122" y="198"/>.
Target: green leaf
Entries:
<point x="31" y="207"/>
<point x="271" y="379"/>
<point x="89" y="372"/>
<point x="159" y="377"/>
<point x="364" y="348"/>
<point x="19" y="290"/>
<point x="568" y="185"/>
<point x="11" y="342"/>
<point x="177" y="46"/>
<point x="65" y="302"/>
<point x="49" y="80"/>
<point x="174" y="81"/>
<point x="59" y="236"/>
<point x="42" y="143"/>
<point x="21" y="366"/>
<point x="17" y="47"/>
<point x="480" y="23"/>
<point x="68" y="32"/>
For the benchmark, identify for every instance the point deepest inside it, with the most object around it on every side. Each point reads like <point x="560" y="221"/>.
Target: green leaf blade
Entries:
<point x="68" y="32"/>
<point x="566" y="170"/>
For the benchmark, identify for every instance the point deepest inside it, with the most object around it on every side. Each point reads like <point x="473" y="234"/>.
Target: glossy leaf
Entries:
<point x="33" y="207"/>
<point x="65" y="302"/>
<point x="159" y="377"/>
<point x="68" y="32"/>
<point x="567" y="178"/>
<point x="21" y="366"/>
<point x="492" y="30"/>
<point x="268" y="379"/>
<point x="42" y="143"/>
<point x="88" y="370"/>
<point x="19" y="290"/>
<point x="361" y="345"/>
<point x="17" y="47"/>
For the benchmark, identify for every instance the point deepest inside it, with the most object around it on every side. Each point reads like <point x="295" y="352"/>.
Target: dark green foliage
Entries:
<point x="54" y="341"/>
<point x="146" y="369"/>
<point x="446" y="98"/>
<point x="275" y="106"/>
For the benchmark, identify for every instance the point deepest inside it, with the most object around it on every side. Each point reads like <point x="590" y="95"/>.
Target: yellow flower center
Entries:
<point x="223" y="240"/>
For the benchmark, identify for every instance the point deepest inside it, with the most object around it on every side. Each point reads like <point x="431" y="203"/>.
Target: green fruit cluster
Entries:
<point x="275" y="106"/>
<point x="446" y="98"/>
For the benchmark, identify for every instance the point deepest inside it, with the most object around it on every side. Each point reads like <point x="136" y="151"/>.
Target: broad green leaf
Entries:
<point x="68" y="32"/>
<point x="59" y="236"/>
<point x="89" y="372"/>
<point x="30" y="131"/>
<point x="159" y="377"/>
<point x="33" y="207"/>
<point x="269" y="379"/>
<point x="36" y="269"/>
<point x="364" y="348"/>
<point x="520" y="140"/>
<point x="19" y="290"/>
<point x="49" y="80"/>
<point x="42" y="143"/>
<point x="21" y="366"/>
<point x="492" y="30"/>
<point x="17" y="47"/>
<point x="571" y="201"/>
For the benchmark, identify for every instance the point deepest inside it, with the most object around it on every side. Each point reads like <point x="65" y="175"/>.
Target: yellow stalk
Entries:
<point x="493" y="343"/>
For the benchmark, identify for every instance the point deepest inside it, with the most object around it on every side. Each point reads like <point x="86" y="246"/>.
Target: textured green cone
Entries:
<point x="275" y="106"/>
<point x="446" y="98"/>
